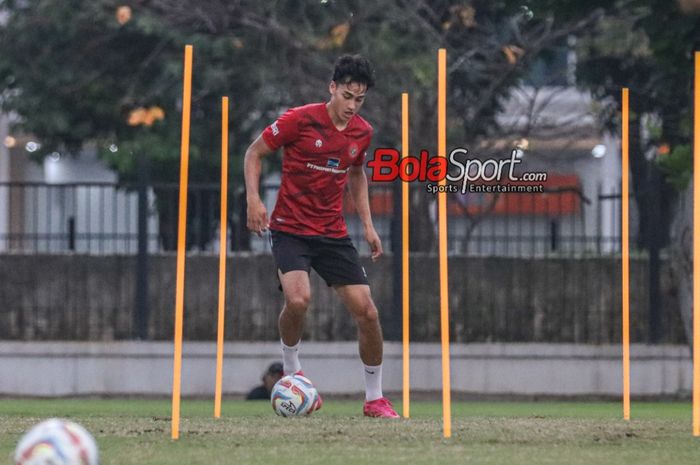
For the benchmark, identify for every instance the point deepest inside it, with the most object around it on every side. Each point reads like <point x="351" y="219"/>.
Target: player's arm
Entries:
<point x="252" y="167"/>
<point x="357" y="180"/>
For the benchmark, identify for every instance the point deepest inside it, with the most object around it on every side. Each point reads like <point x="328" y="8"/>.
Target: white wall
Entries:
<point x="145" y="368"/>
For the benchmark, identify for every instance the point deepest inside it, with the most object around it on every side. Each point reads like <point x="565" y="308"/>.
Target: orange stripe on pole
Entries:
<point x="696" y="251"/>
<point x="223" y="230"/>
<point x="442" y="228"/>
<point x="625" y="258"/>
<point x="404" y="264"/>
<point x="181" y="232"/>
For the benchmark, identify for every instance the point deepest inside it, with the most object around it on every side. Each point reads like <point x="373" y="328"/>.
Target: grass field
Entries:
<point x="514" y="433"/>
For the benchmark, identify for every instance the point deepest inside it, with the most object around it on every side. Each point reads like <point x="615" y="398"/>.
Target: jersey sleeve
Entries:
<point x="360" y="160"/>
<point x="282" y="131"/>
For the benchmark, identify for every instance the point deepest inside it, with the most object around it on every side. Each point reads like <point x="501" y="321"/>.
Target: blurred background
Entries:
<point x="90" y="99"/>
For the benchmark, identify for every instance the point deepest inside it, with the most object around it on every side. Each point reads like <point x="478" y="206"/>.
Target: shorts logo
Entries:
<point x="333" y="163"/>
<point x="353" y="150"/>
<point x="275" y="129"/>
<point x="364" y="272"/>
<point x="319" y="143"/>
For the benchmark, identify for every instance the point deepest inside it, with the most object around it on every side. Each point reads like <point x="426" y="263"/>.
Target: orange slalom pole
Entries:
<point x="223" y="230"/>
<point x="404" y="264"/>
<point x="625" y="258"/>
<point x="696" y="250"/>
<point x="442" y="228"/>
<point x="181" y="232"/>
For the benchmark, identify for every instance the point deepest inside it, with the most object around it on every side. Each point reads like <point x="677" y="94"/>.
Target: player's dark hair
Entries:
<point x="353" y="68"/>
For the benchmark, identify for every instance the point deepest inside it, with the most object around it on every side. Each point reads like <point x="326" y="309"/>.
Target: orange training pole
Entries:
<point x="223" y="229"/>
<point x="696" y="251"/>
<point x="404" y="264"/>
<point x="181" y="231"/>
<point x="625" y="257"/>
<point x="442" y="227"/>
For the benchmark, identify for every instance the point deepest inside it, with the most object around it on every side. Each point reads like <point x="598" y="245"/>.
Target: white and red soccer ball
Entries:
<point x="57" y="442"/>
<point x="294" y="395"/>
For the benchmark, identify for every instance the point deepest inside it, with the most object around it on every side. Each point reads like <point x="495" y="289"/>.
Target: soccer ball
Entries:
<point x="57" y="442"/>
<point x="294" y="395"/>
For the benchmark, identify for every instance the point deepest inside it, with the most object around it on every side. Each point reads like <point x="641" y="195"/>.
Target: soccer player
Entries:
<point x="325" y="146"/>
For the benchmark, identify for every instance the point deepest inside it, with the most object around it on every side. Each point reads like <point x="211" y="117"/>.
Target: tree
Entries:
<point x="89" y="66"/>
<point x="649" y="49"/>
<point x="87" y="74"/>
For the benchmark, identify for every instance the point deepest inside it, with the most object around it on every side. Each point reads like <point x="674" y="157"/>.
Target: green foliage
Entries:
<point x="648" y="47"/>
<point x="77" y="76"/>
<point x="73" y="73"/>
<point x="678" y="166"/>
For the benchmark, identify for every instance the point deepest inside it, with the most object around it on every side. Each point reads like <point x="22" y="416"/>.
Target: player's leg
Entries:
<point x="338" y="262"/>
<point x="297" y="294"/>
<point x="358" y="300"/>
<point x="292" y="257"/>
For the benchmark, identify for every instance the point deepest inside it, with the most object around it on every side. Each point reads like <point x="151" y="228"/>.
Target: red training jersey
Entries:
<point x="315" y="166"/>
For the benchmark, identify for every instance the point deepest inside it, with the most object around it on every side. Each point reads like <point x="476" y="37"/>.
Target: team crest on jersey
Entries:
<point x="352" y="150"/>
<point x="319" y="143"/>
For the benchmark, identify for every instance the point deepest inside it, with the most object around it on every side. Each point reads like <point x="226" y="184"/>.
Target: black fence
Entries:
<point x="107" y="218"/>
<point x="570" y="238"/>
<point x="492" y="299"/>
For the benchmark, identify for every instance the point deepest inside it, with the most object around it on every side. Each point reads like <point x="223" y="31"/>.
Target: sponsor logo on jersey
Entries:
<point x="326" y="169"/>
<point x="353" y="150"/>
<point x="333" y="163"/>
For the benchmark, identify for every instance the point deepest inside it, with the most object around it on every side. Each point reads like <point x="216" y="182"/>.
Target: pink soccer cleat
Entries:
<point x="380" y="408"/>
<point x="319" y="401"/>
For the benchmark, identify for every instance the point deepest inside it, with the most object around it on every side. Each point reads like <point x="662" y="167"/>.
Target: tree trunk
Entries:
<point x="682" y="257"/>
<point x="423" y="236"/>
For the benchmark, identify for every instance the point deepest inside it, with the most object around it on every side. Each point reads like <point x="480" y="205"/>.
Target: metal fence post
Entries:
<point x="141" y="309"/>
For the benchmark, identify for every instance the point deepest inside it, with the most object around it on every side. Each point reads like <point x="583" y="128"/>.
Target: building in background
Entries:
<point x="67" y="203"/>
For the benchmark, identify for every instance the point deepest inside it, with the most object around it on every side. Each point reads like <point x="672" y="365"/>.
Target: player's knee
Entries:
<point x="298" y="303"/>
<point x="368" y="314"/>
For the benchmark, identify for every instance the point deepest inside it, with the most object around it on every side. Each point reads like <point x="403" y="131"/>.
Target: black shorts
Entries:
<point x="335" y="260"/>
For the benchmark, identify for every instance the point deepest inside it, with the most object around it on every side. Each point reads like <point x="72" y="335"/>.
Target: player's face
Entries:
<point x="346" y="99"/>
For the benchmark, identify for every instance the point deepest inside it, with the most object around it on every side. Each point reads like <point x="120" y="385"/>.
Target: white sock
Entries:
<point x="290" y="358"/>
<point x="373" y="382"/>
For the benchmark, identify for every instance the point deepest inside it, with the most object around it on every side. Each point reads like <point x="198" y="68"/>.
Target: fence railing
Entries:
<point x="83" y="226"/>
<point x="103" y="218"/>
<point x="494" y="299"/>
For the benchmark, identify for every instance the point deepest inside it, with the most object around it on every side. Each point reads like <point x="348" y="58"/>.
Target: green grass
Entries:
<point x="513" y="433"/>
